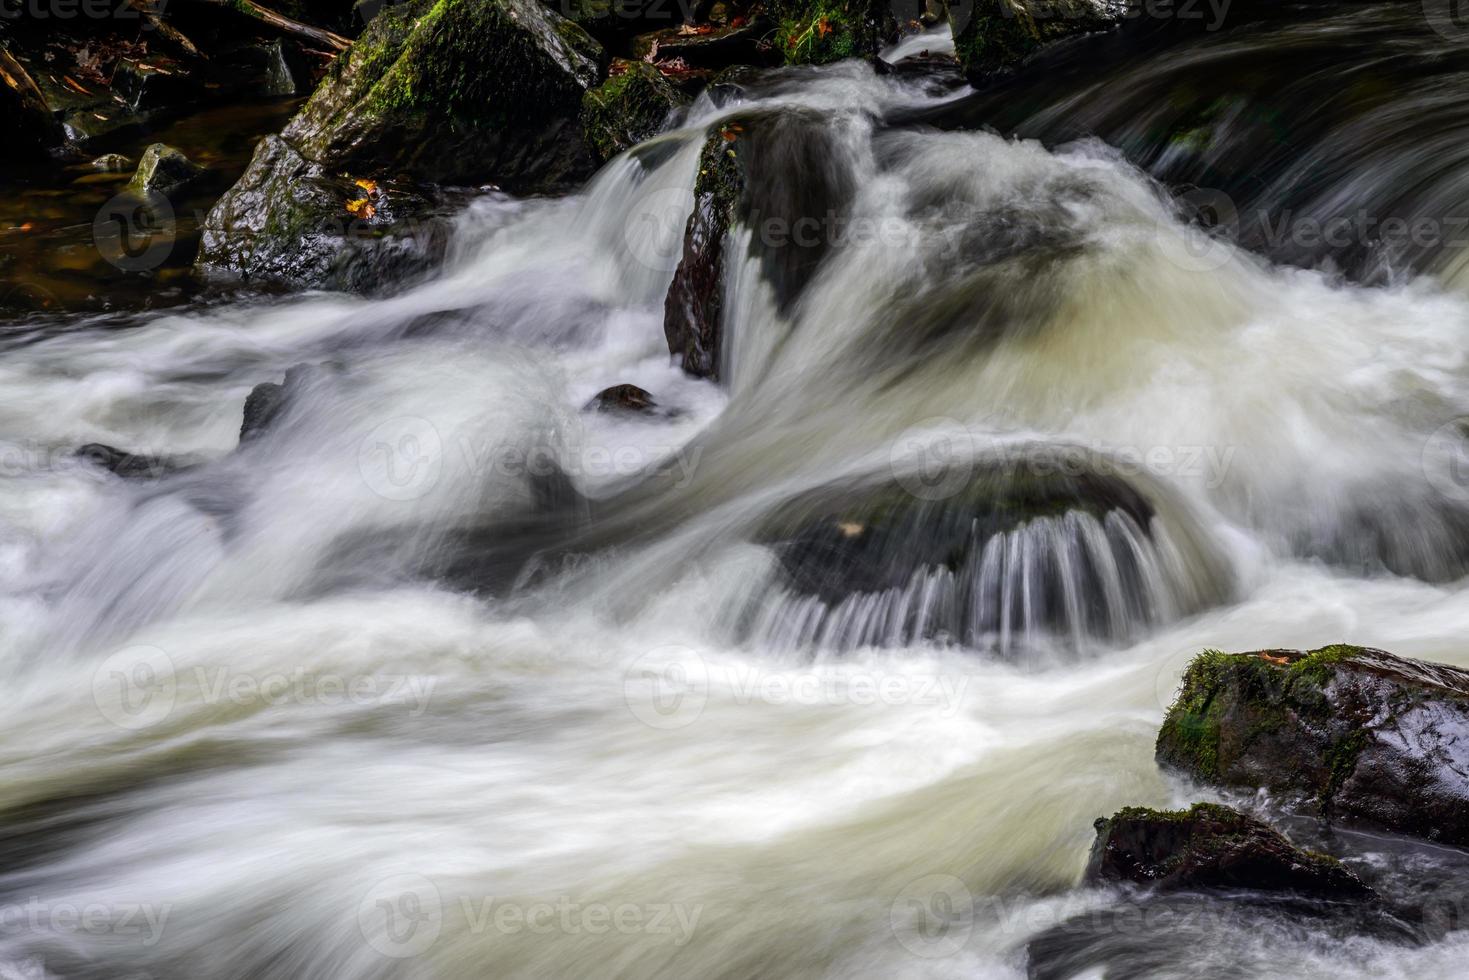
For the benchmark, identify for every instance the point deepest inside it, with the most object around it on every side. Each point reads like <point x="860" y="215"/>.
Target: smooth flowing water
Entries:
<point x="444" y="676"/>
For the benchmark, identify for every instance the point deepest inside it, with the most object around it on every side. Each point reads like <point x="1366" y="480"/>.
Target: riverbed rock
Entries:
<point x="623" y="398"/>
<point x="993" y="37"/>
<point x="269" y="399"/>
<point x="163" y="170"/>
<point x="629" y="107"/>
<point x="129" y="465"/>
<point x="454" y="91"/>
<point x="1209" y="846"/>
<point x="744" y="177"/>
<point x="113" y="163"/>
<point x="710" y="46"/>
<point x="1355" y="734"/>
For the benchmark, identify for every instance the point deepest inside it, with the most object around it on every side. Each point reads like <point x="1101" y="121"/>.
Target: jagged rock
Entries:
<point x="1209" y="846"/>
<point x="267" y="400"/>
<point x="744" y="178"/>
<point x="1356" y="733"/>
<point x="163" y="170"/>
<point x="458" y="90"/>
<point x="129" y="466"/>
<point x="629" y="107"/>
<point x="995" y="36"/>
<point x="623" y="398"/>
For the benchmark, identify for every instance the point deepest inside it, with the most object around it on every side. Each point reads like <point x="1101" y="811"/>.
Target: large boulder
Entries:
<point x="994" y="37"/>
<point x="1353" y="732"/>
<point x="1211" y="847"/>
<point x="452" y="91"/>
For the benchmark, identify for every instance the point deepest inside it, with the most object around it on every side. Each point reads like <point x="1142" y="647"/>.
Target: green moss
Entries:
<point x="1317" y="664"/>
<point x="818" y="32"/>
<point x="627" y="108"/>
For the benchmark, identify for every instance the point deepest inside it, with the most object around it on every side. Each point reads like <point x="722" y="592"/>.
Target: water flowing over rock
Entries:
<point x="1357" y="734"/>
<point x="1210" y="846"/>
<point x="631" y="106"/>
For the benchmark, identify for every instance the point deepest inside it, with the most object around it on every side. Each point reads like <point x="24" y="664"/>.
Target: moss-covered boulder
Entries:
<point x="1209" y="846"/>
<point x="629" y="107"/>
<point x="995" y="36"/>
<point x="434" y="92"/>
<point x="1355" y="733"/>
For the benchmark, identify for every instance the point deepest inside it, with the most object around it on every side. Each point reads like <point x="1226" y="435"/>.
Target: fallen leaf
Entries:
<point x="368" y="185"/>
<point x="361" y="208"/>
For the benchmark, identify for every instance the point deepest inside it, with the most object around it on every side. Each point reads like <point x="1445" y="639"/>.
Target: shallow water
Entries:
<point x="263" y="723"/>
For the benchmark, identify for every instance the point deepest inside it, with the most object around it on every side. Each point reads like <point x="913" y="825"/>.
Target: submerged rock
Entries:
<point x="113" y="163"/>
<point x="1209" y="846"/>
<point x="163" y="170"/>
<point x="129" y="466"/>
<point x="623" y="398"/>
<point x="631" y="106"/>
<point x="1356" y="733"/>
<point x="443" y="92"/>
<point x="995" y="36"/>
<point x="986" y="555"/>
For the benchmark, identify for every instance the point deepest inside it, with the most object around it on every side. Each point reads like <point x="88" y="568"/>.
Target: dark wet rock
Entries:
<point x="614" y="22"/>
<point x="1357" y="734"/>
<point x="707" y="46"/>
<point x="996" y="36"/>
<point x="293" y="221"/>
<point x="129" y="466"/>
<point x="274" y="68"/>
<point x="982" y="553"/>
<point x="459" y="90"/>
<point x="816" y="32"/>
<point x="1211" y="847"/>
<point x="154" y="82"/>
<point x="25" y="117"/>
<point x="163" y="170"/>
<point x="623" y="398"/>
<point x="113" y="163"/>
<point x="268" y="400"/>
<point x="631" y="106"/>
<point x="744" y="178"/>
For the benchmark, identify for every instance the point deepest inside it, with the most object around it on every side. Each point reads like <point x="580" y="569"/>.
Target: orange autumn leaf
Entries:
<point x="368" y="185"/>
<point x="1274" y="660"/>
<point x="361" y="208"/>
<point x="823" y="27"/>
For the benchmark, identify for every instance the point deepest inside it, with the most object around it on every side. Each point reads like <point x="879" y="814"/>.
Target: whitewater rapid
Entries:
<point x="248" y="736"/>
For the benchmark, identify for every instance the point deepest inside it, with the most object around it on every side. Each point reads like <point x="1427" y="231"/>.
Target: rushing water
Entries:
<point x="379" y="694"/>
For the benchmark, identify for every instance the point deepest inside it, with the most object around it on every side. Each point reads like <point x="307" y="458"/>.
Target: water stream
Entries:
<point x="365" y="698"/>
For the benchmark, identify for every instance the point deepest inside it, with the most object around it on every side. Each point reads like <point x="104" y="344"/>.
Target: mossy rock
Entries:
<point x="457" y="90"/>
<point x="163" y="170"/>
<point x="1211" y="847"/>
<point x="995" y="36"/>
<point x="631" y="106"/>
<point x="1354" y="733"/>
<point x="818" y="32"/>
